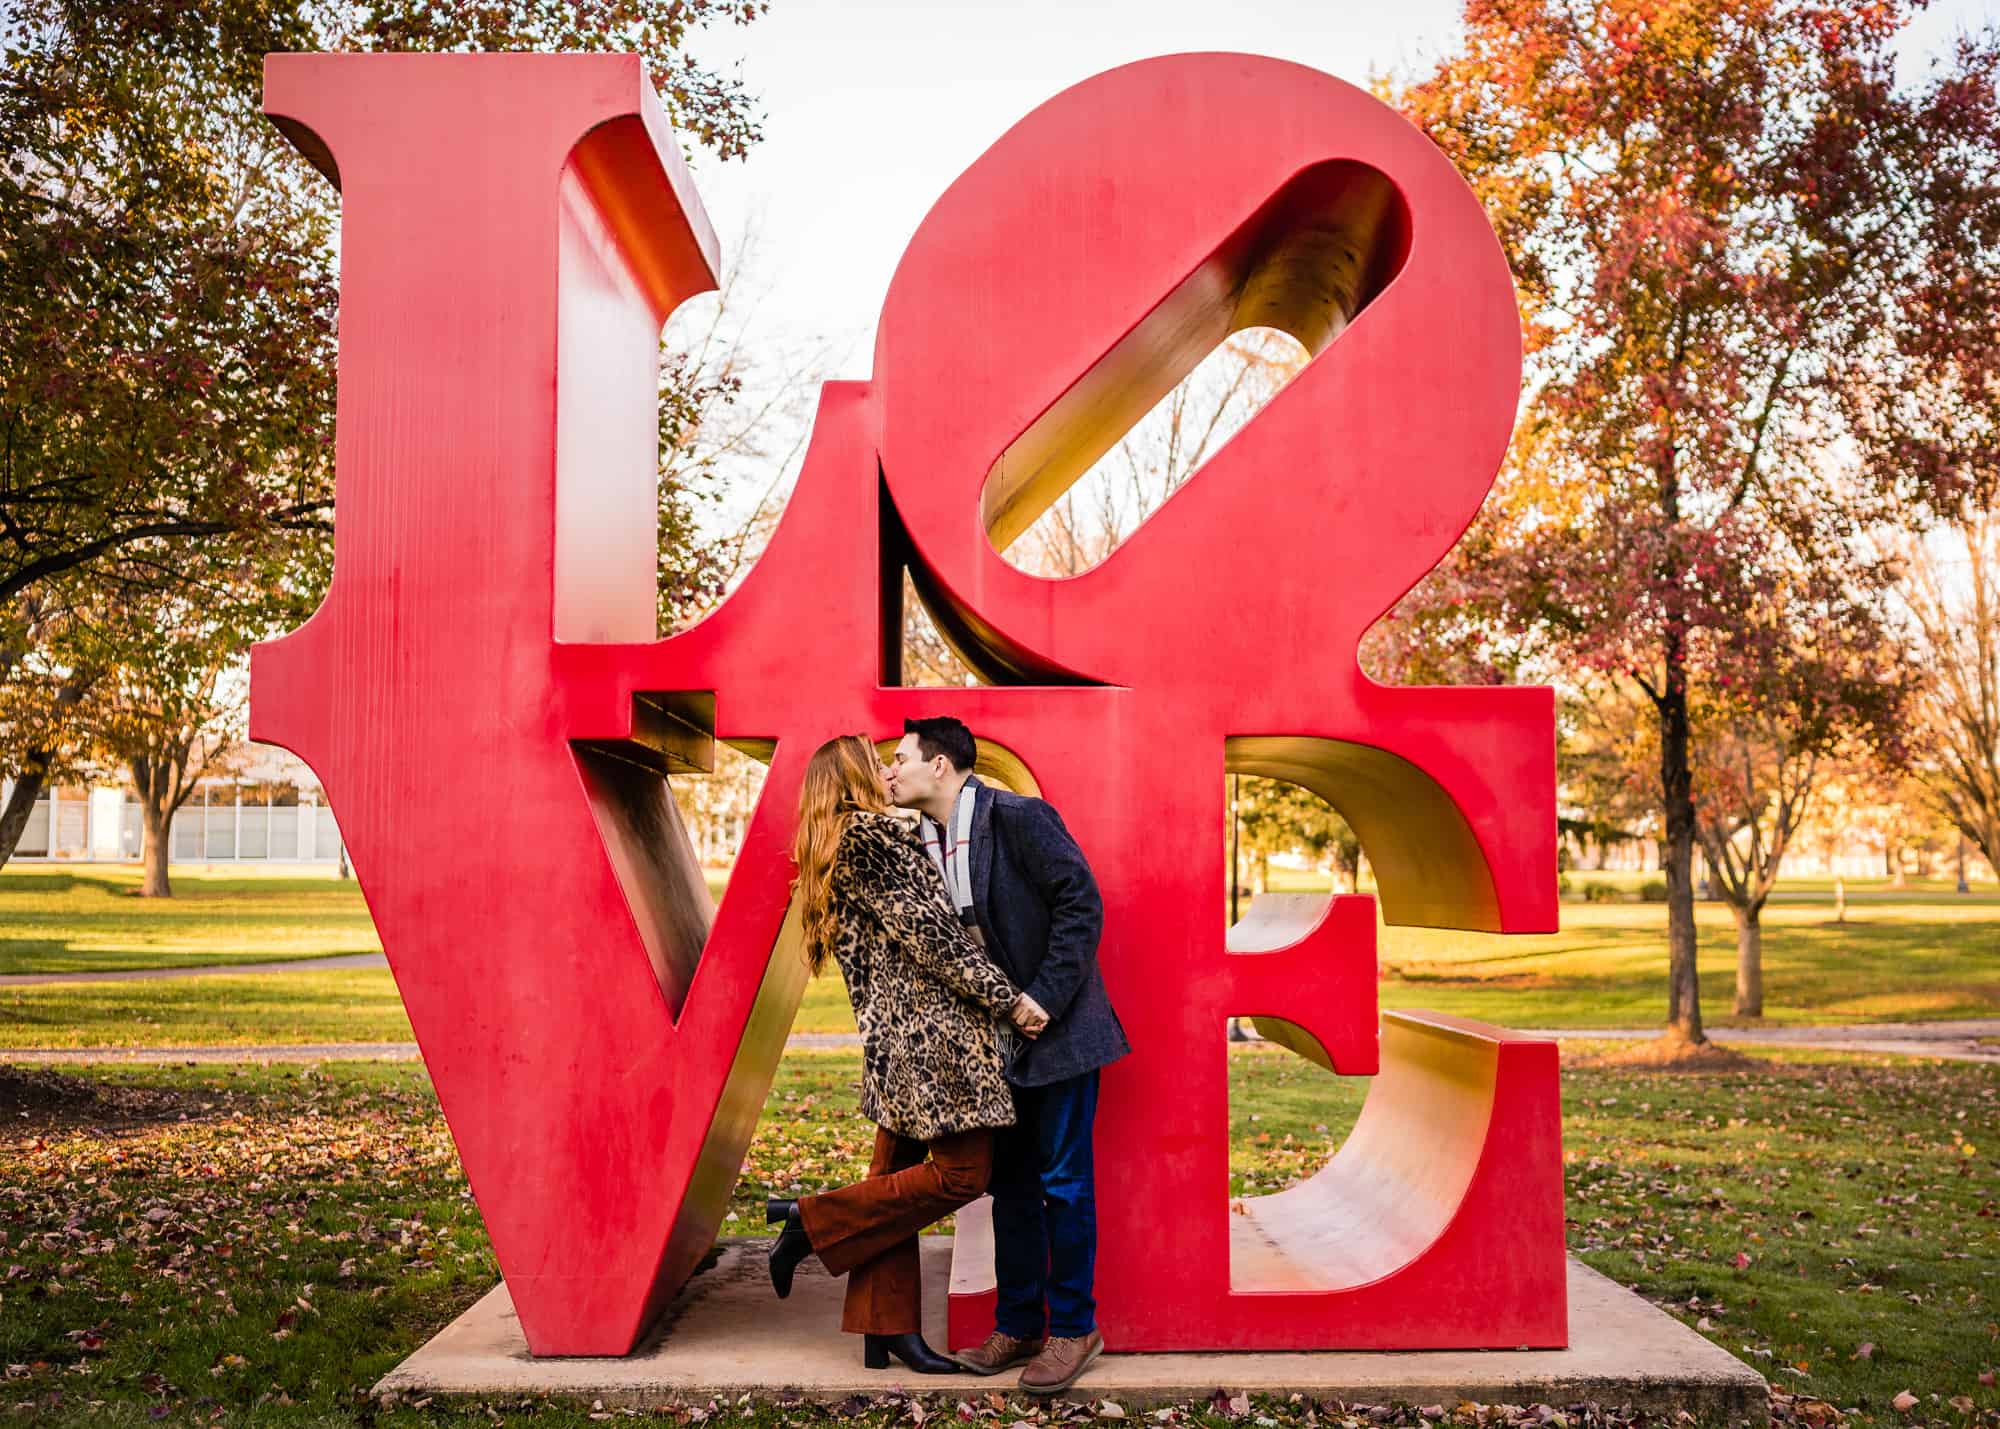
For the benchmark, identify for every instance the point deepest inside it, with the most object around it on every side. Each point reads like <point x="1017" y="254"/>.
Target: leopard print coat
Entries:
<point x="929" y="1003"/>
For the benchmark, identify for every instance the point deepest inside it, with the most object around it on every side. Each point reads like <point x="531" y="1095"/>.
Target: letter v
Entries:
<point x="496" y="210"/>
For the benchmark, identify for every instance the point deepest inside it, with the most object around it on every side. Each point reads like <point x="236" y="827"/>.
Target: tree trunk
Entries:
<point x="157" y="821"/>
<point x="21" y="803"/>
<point x="1235" y="855"/>
<point x="1839" y="899"/>
<point x="1749" y="961"/>
<point x="1677" y="786"/>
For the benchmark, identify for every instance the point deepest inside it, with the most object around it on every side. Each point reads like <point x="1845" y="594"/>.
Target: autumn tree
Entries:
<point x="1822" y="681"/>
<point x="166" y="331"/>
<point x="171" y="702"/>
<point x="1951" y="593"/>
<point x="1277" y="817"/>
<point x="1159" y="455"/>
<point x="1606" y="750"/>
<point x="49" y="667"/>
<point x="1719" y="213"/>
<point x="170" y="721"/>
<point x="1109" y="502"/>
<point x="1863" y="807"/>
<point x="737" y="403"/>
<point x="168" y="299"/>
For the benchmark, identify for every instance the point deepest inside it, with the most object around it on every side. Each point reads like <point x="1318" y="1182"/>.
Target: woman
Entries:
<point x="929" y="1005"/>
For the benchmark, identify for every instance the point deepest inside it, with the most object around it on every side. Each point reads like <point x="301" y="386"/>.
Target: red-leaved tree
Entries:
<point x="1719" y="214"/>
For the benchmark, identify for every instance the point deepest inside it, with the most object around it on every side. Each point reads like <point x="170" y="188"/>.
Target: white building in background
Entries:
<point x="264" y="806"/>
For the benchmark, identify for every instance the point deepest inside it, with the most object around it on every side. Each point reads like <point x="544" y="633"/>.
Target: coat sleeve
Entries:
<point x="908" y="900"/>
<point x="1055" y="865"/>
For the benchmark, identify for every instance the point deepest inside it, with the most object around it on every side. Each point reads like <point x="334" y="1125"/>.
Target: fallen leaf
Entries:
<point x="1904" y="1402"/>
<point x="1864" y="1350"/>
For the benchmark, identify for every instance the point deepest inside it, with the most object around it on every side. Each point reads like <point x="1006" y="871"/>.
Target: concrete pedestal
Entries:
<point x="727" y="1333"/>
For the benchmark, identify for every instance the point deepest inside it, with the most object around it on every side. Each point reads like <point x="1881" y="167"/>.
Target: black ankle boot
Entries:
<point x="791" y="1246"/>
<point x="910" y="1349"/>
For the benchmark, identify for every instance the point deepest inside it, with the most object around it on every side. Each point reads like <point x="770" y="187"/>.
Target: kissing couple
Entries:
<point x="968" y="942"/>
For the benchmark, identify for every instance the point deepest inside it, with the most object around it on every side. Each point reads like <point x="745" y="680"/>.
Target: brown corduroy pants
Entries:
<point x="868" y="1231"/>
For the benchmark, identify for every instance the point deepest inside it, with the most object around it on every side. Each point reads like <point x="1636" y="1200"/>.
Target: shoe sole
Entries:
<point x="1047" y="1391"/>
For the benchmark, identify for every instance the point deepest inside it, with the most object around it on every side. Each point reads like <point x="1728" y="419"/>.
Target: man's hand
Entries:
<point x="1027" y="1015"/>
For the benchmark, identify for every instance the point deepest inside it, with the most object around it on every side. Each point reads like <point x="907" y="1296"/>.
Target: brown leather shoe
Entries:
<point x="1061" y="1363"/>
<point x="998" y="1353"/>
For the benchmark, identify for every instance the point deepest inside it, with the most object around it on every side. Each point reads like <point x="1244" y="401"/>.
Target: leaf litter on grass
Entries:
<point x="267" y="1259"/>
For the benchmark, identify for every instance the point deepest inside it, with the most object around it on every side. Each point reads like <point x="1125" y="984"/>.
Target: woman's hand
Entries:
<point x="1027" y="1015"/>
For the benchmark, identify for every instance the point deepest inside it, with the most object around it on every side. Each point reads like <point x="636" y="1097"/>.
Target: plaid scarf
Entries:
<point x="954" y="857"/>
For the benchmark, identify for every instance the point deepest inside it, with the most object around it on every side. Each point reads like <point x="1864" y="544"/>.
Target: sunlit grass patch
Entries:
<point x="345" y="1005"/>
<point x="90" y="918"/>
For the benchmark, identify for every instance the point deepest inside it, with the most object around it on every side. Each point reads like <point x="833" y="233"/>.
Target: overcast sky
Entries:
<point x="873" y="106"/>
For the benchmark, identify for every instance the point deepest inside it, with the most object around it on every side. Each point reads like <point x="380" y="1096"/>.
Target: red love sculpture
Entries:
<point x="485" y="697"/>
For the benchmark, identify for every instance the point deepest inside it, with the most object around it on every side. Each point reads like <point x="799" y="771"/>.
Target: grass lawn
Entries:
<point x="90" y="918"/>
<point x="1888" y="962"/>
<point x="1914" y="953"/>
<point x="344" y="1005"/>
<point x="264" y="1260"/>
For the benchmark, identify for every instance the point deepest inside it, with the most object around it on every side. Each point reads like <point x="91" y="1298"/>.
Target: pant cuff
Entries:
<point x="884" y="1325"/>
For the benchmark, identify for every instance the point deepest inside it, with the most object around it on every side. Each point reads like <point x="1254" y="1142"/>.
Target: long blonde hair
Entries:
<point x="841" y="780"/>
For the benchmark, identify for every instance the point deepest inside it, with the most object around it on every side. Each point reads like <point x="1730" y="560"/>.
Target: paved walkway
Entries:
<point x="278" y="1052"/>
<point x="287" y="965"/>
<point x="1974" y="1040"/>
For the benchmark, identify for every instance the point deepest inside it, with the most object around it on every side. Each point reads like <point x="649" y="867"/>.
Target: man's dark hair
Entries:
<point x="941" y="734"/>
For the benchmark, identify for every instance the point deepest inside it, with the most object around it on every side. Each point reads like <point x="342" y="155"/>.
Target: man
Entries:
<point x="1021" y="884"/>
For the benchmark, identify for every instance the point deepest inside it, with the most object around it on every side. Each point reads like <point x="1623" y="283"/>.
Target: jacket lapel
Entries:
<point x="982" y="851"/>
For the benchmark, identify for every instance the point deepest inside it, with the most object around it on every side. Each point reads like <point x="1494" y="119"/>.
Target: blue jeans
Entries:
<point x="1044" y="1191"/>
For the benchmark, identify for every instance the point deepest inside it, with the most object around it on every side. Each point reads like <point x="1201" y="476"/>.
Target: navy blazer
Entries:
<point x="1039" y="908"/>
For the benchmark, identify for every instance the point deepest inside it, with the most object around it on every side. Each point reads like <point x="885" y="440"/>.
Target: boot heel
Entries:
<point x="874" y="1354"/>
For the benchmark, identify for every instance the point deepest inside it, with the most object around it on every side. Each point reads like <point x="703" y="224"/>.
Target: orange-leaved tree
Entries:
<point x="1718" y="213"/>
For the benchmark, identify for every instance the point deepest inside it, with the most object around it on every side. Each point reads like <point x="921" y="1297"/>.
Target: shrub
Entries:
<point x="1595" y="892"/>
<point x="1653" y="890"/>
